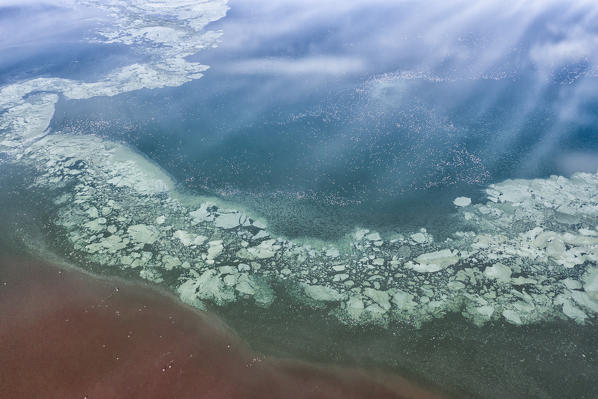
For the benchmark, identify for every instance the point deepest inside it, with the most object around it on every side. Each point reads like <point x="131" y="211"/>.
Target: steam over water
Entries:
<point x="402" y="186"/>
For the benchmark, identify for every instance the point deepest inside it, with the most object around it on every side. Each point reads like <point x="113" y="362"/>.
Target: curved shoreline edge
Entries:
<point x="526" y="255"/>
<point x="158" y="346"/>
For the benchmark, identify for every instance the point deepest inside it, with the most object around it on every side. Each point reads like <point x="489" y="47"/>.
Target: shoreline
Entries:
<point x="69" y="345"/>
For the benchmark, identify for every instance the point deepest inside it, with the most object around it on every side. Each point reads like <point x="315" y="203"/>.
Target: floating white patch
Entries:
<point x="322" y="293"/>
<point x="462" y="201"/>
<point x="434" y="261"/>
<point x="498" y="272"/>
<point x="143" y="234"/>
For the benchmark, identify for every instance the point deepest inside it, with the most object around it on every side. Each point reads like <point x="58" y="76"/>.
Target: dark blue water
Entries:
<point x="44" y="40"/>
<point x="324" y="119"/>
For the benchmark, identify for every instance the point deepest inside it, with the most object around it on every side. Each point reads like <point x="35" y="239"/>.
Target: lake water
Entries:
<point x="399" y="185"/>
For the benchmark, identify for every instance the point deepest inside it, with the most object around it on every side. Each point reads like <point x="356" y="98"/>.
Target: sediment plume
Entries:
<point x="66" y="334"/>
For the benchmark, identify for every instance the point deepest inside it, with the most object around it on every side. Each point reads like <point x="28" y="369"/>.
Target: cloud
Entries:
<point x="46" y="3"/>
<point x="571" y="162"/>
<point x="318" y="65"/>
<point x="577" y="46"/>
<point x="34" y="23"/>
<point x="468" y="39"/>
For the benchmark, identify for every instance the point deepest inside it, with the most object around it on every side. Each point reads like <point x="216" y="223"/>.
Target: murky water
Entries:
<point x="113" y="338"/>
<point x="401" y="189"/>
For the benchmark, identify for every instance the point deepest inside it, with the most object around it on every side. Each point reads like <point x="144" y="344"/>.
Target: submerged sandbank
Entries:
<point x="68" y="334"/>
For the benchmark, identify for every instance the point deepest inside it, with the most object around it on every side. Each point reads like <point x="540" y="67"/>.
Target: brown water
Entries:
<point x="65" y="334"/>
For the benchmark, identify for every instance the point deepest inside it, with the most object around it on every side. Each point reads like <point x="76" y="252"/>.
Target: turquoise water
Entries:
<point x="338" y="185"/>
<point x="450" y="355"/>
<point x="366" y="134"/>
<point x="330" y="155"/>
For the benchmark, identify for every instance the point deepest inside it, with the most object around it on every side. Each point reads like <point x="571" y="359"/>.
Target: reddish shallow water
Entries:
<point x="64" y="334"/>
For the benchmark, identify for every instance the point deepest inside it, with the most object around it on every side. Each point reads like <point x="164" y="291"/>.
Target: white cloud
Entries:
<point x="571" y="162"/>
<point x="470" y="39"/>
<point x="578" y="46"/>
<point x="320" y="65"/>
